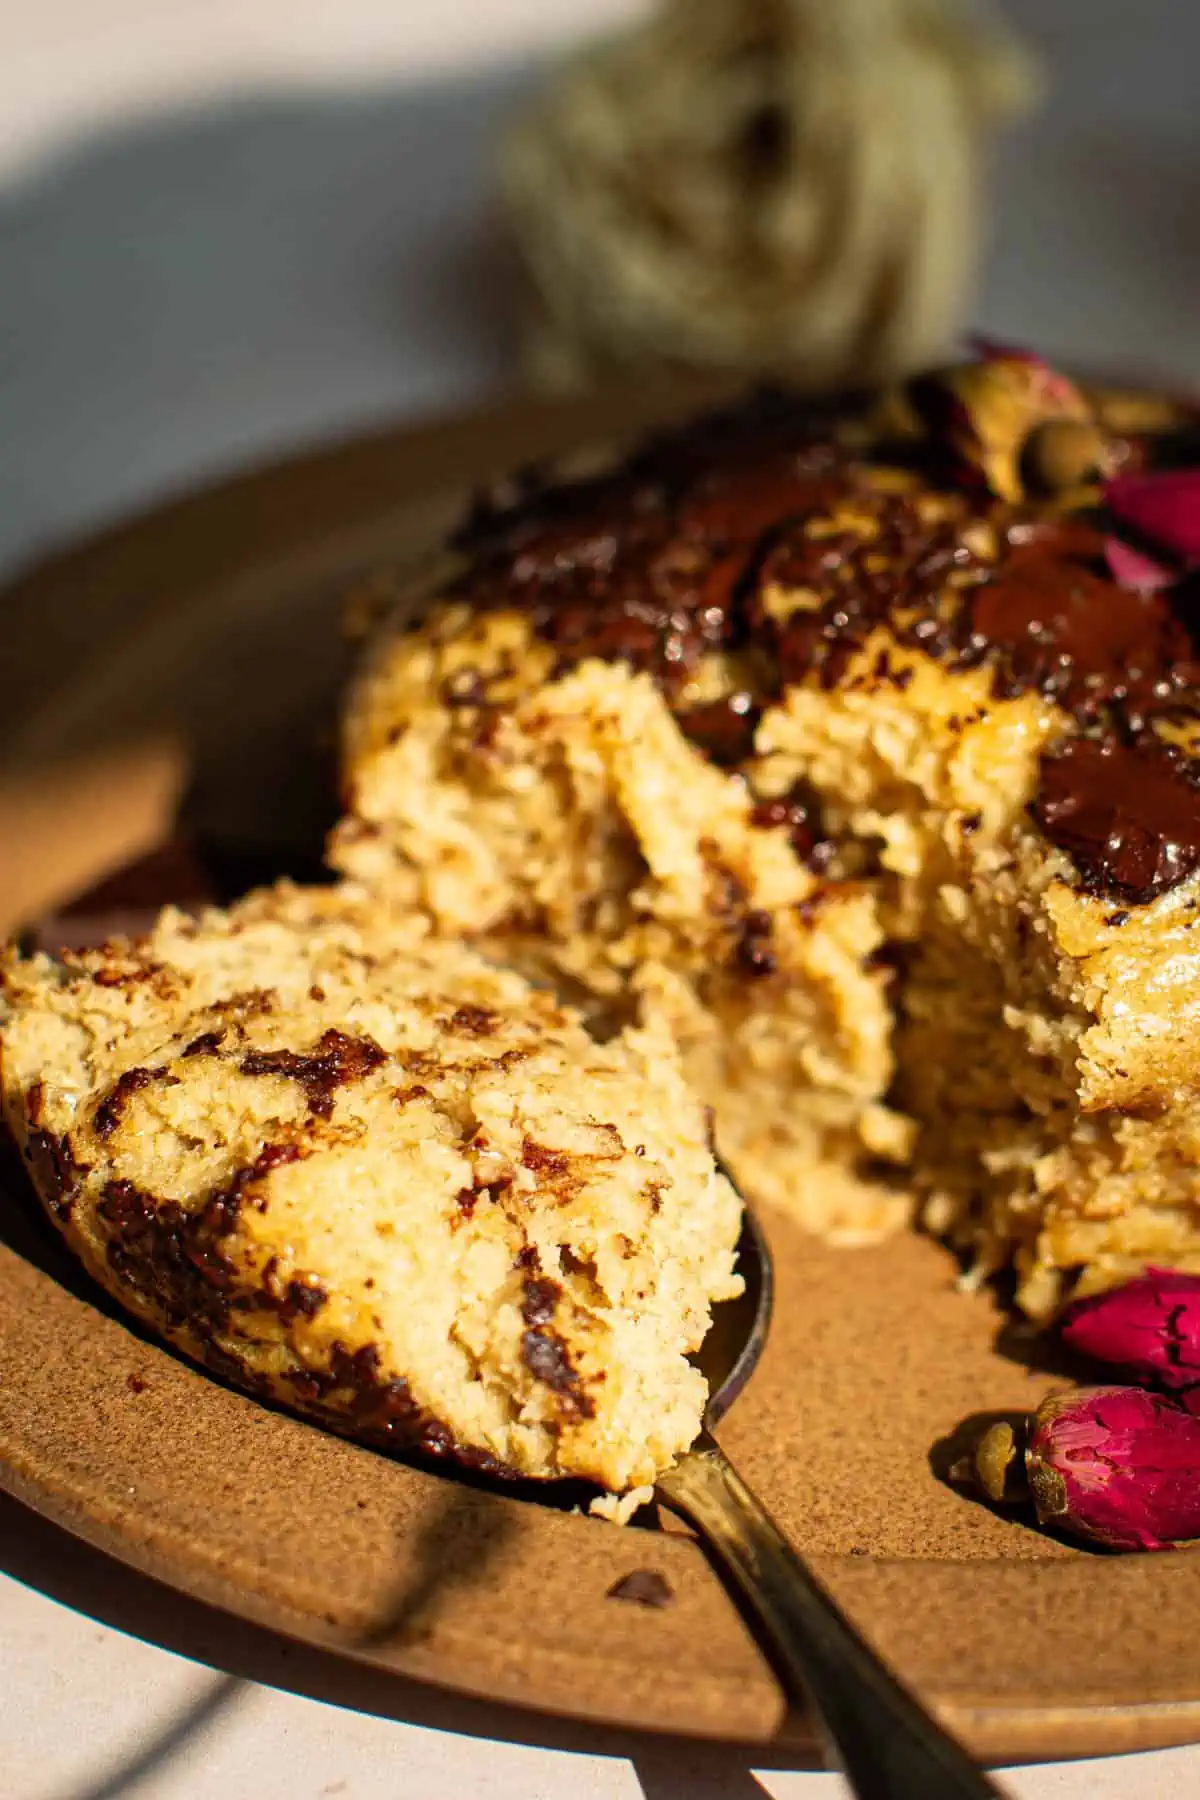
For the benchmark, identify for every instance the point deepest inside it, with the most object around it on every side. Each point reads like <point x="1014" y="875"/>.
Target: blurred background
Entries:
<point x="231" y="226"/>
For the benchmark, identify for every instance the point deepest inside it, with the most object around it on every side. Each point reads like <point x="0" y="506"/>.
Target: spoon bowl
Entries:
<point x="737" y="1337"/>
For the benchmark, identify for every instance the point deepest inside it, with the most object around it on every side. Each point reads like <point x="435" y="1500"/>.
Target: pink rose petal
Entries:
<point x="1135" y="570"/>
<point x="1163" y="507"/>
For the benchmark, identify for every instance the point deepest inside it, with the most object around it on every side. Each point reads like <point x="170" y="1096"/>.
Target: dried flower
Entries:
<point x="1163" y="507"/>
<point x="1150" y="1326"/>
<point x="993" y="350"/>
<point x="1117" y="1467"/>
<point x="987" y="412"/>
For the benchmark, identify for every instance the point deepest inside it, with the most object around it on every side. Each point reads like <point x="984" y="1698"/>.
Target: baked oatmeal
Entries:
<point x="824" y="738"/>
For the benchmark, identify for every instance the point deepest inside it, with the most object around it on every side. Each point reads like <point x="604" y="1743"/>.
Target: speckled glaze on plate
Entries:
<point x="199" y="646"/>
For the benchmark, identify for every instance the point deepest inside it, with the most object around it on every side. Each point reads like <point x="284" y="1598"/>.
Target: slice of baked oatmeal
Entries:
<point x="364" y="1173"/>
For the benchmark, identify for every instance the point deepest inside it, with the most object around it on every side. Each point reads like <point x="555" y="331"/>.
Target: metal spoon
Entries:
<point x="887" y="1745"/>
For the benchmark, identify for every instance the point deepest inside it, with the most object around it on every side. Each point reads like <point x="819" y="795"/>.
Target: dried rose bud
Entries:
<point x="1059" y="387"/>
<point x="1151" y="1327"/>
<point x="1162" y="506"/>
<point x="1118" y="1467"/>
<point x="988" y="411"/>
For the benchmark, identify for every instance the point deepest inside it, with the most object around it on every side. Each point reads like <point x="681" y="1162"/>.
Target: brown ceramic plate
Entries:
<point x="193" y="652"/>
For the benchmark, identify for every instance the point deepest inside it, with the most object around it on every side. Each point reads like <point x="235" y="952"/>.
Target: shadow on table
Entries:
<point x="50" y="1560"/>
<point x="191" y="289"/>
<point x="180" y="1735"/>
<point x="454" y="1550"/>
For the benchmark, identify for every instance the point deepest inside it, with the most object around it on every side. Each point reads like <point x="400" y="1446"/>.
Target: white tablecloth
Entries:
<point x="229" y="224"/>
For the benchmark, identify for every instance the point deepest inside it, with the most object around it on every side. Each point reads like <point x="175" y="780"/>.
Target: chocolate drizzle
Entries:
<point x="337" y="1061"/>
<point x="767" y="532"/>
<point x="111" y="1110"/>
<point x="176" y="1255"/>
<point x="548" y="1360"/>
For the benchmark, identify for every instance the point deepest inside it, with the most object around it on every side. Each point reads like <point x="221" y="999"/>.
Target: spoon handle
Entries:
<point x="888" y="1747"/>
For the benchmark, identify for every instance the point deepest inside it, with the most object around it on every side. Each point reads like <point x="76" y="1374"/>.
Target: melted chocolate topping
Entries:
<point x="891" y="575"/>
<point x="647" y="564"/>
<point x="1128" y="815"/>
<point x="647" y="576"/>
<point x="766" y="532"/>
<point x="723" y="729"/>
<point x="1053" y="625"/>
<point x="799" y="811"/>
